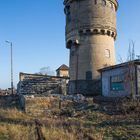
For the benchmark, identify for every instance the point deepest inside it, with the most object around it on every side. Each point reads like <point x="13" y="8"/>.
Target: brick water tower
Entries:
<point x="90" y="35"/>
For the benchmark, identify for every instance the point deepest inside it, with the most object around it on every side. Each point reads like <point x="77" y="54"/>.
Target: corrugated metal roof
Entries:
<point x="137" y="61"/>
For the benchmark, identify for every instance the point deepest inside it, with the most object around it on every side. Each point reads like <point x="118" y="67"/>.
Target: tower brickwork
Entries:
<point x="90" y="35"/>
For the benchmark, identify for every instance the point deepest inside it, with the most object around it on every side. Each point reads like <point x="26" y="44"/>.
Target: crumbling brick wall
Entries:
<point x="42" y="84"/>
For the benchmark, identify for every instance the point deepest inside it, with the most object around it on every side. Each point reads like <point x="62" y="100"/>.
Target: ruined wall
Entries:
<point x="27" y="76"/>
<point x="42" y="84"/>
<point x="37" y="105"/>
<point x="47" y="105"/>
<point x="9" y="101"/>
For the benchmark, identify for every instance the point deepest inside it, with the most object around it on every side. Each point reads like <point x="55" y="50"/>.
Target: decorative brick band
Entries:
<point x="99" y="31"/>
<point x="94" y="31"/>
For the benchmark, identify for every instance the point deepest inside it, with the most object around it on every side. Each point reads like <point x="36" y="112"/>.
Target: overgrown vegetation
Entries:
<point x="84" y="124"/>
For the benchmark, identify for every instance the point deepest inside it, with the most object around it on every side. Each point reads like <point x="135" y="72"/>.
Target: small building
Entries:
<point x="121" y="80"/>
<point x="63" y="71"/>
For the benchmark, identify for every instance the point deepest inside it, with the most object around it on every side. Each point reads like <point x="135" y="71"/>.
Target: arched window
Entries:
<point x="108" y="33"/>
<point x="107" y="53"/>
<point x="95" y="31"/>
<point x="112" y="34"/>
<point x="87" y="30"/>
<point x="69" y="44"/>
<point x="103" y="32"/>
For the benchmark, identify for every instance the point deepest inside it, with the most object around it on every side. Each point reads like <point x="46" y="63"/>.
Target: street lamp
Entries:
<point x="12" y="87"/>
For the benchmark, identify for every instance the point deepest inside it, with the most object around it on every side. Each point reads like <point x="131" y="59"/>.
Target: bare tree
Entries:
<point x="131" y="51"/>
<point x="120" y="59"/>
<point x="130" y="74"/>
<point x="131" y="67"/>
<point x="130" y="55"/>
<point x="46" y="71"/>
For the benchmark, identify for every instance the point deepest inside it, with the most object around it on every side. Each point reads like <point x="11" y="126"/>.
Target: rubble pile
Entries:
<point x="9" y="101"/>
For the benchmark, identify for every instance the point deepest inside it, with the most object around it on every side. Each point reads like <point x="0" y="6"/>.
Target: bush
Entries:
<point x="128" y="106"/>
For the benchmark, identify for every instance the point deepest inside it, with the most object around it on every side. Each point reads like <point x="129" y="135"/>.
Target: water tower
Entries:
<point x="90" y="35"/>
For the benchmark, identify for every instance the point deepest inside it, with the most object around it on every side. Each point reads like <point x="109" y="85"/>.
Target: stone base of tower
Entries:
<point x="85" y="87"/>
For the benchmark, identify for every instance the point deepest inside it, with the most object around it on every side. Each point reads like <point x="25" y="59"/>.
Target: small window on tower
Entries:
<point x="107" y="53"/>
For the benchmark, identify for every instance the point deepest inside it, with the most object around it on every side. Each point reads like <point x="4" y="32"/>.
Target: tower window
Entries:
<point x="95" y="31"/>
<point x="103" y="32"/>
<point x="88" y="75"/>
<point x="108" y="33"/>
<point x="107" y="53"/>
<point x="69" y="44"/>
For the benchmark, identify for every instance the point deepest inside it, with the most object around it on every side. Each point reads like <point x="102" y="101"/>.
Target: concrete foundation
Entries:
<point x="85" y="87"/>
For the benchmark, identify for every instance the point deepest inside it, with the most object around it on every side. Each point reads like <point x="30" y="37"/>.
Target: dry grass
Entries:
<point x="130" y="106"/>
<point x="14" y="114"/>
<point x="16" y="132"/>
<point x="85" y="125"/>
<point x="58" y="134"/>
<point x="82" y="125"/>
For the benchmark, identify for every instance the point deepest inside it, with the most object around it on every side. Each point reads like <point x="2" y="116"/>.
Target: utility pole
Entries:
<point x="11" y="48"/>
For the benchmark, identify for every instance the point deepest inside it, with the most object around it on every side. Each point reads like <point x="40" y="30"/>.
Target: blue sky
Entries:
<point x="37" y="30"/>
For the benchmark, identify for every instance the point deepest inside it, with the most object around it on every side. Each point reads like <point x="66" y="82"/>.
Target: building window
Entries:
<point x="107" y="53"/>
<point x="88" y="75"/>
<point x="68" y="14"/>
<point x="117" y="83"/>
